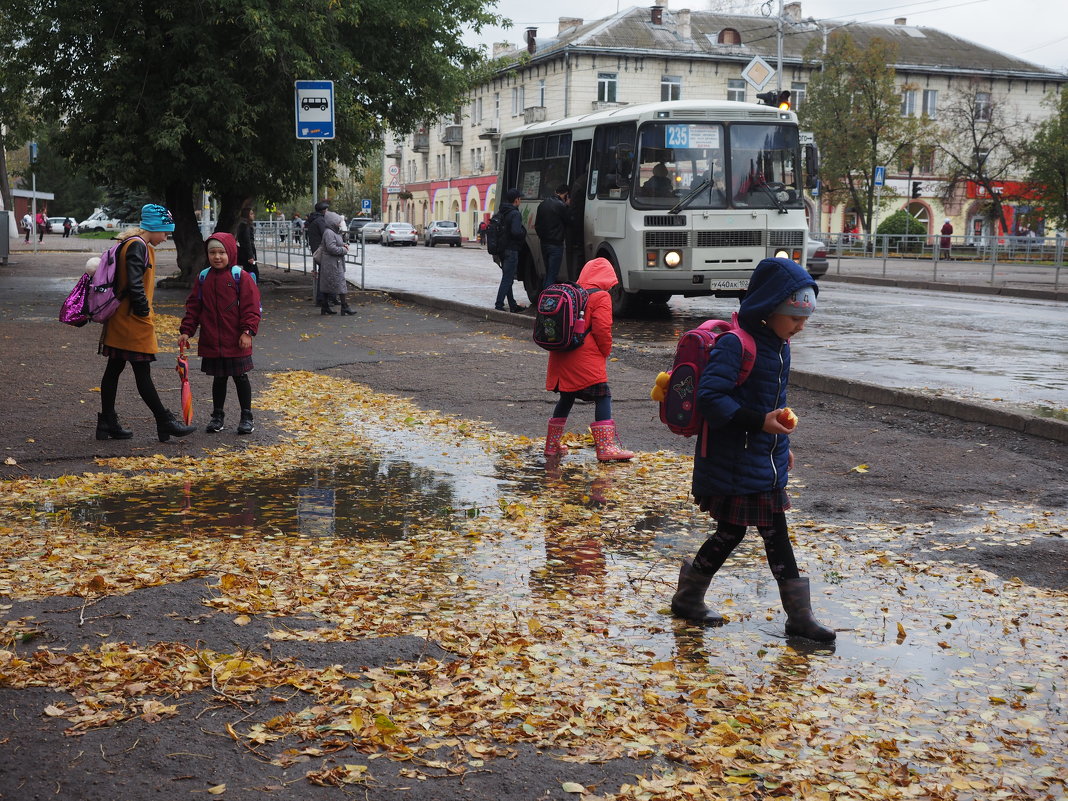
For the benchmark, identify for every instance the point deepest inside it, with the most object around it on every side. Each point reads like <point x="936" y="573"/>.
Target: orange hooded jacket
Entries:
<point x="586" y="365"/>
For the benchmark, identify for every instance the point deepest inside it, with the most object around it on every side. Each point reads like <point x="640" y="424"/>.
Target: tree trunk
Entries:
<point x="230" y="205"/>
<point x="5" y="187"/>
<point x="187" y="239"/>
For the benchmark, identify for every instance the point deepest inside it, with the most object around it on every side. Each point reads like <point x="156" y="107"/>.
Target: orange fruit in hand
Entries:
<point x="787" y="418"/>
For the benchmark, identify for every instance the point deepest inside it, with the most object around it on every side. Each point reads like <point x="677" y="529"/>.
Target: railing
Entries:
<point x="1045" y="256"/>
<point x="279" y="243"/>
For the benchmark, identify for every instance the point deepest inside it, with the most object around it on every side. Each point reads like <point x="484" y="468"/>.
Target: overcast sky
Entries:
<point x="1035" y="30"/>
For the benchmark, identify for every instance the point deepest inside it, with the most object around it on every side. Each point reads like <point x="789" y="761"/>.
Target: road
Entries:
<point x="972" y="347"/>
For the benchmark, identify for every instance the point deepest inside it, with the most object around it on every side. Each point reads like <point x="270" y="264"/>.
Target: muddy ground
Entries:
<point x="922" y="468"/>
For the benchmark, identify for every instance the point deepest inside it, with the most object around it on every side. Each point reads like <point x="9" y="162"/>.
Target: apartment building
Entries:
<point x="447" y="170"/>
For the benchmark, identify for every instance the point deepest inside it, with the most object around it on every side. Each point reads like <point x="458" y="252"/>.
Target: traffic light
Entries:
<point x="917" y="187"/>
<point x="779" y="99"/>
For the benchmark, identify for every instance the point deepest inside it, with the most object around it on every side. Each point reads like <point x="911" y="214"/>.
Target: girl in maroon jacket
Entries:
<point x="225" y="305"/>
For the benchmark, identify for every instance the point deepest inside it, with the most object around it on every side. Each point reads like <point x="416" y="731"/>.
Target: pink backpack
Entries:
<point x="93" y="297"/>
<point x="678" y="410"/>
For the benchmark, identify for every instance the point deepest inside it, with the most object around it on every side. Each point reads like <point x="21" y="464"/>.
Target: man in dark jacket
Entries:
<point x="246" y="242"/>
<point x="313" y="230"/>
<point x="515" y="233"/>
<point x="551" y="226"/>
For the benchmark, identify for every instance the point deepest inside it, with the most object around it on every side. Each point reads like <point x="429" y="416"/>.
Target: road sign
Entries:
<point x="880" y="176"/>
<point x="816" y="190"/>
<point x="757" y="73"/>
<point x="314" y="106"/>
<point x="365" y="205"/>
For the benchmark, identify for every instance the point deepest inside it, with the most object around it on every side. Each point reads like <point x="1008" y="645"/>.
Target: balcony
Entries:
<point x="533" y="114"/>
<point x="491" y="129"/>
<point x="395" y="152"/>
<point x="453" y="135"/>
<point x="421" y="142"/>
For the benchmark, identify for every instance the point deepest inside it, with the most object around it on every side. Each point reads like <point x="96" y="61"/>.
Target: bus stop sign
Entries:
<point x="314" y="105"/>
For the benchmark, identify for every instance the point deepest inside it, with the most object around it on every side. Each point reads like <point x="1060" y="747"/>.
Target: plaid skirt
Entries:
<point x="126" y="355"/>
<point x="224" y="366"/>
<point x="591" y="393"/>
<point x="757" y="509"/>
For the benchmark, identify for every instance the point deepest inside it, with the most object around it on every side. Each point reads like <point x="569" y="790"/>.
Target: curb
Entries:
<point x="1045" y="427"/>
<point x="939" y="286"/>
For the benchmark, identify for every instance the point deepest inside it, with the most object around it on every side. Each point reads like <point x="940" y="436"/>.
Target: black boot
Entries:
<point x="325" y="307"/>
<point x="107" y="427"/>
<point x="167" y="426"/>
<point x="216" y="423"/>
<point x="689" y="599"/>
<point x="797" y="602"/>
<point x="246" y="426"/>
<point x="345" y="310"/>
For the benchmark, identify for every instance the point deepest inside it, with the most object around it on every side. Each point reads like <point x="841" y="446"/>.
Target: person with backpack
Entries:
<point x="551" y="226"/>
<point x="225" y="305"/>
<point x="129" y="335"/>
<point x="27" y="226"/>
<point x="740" y="473"/>
<point x="582" y="373"/>
<point x="246" y="242"/>
<point x="512" y="236"/>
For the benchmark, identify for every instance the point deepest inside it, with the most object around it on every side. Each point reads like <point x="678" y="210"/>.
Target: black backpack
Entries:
<point x="496" y="234"/>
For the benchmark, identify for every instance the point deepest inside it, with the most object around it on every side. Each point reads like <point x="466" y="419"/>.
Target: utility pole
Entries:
<point x="778" y="48"/>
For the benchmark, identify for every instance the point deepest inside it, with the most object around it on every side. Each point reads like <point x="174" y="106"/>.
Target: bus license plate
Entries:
<point x="727" y="283"/>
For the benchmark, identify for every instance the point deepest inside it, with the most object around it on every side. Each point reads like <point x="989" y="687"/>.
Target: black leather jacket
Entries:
<point x="552" y="221"/>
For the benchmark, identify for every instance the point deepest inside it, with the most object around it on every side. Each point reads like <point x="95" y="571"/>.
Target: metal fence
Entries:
<point x="278" y="242"/>
<point x="982" y="256"/>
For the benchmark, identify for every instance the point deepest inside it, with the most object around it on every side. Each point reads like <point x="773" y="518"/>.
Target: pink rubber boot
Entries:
<point x="607" y="442"/>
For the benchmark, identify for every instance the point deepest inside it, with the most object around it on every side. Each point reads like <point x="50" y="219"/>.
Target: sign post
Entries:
<point x="878" y="179"/>
<point x="313" y="103"/>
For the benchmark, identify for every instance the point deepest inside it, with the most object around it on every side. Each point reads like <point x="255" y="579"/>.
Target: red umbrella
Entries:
<point x="187" y="394"/>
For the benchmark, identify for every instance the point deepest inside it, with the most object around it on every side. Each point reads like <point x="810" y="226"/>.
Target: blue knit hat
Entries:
<point x="155" y="217"/>
<point x="800" y="304"/>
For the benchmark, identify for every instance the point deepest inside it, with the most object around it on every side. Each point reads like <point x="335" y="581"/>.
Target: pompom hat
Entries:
<point x="155" y="217"/>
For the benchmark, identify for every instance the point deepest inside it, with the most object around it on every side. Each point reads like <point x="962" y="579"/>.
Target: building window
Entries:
<point x="908" y="103"/>
<point x="517" y="104"/>
<point x="606" y="87"/>
<point x="930" y="103"/>
<point x="982" y="106"/>
<point x="541" y="92"/>
<point x="671" y="87"/>
<point x="729" y="36"/>
<point x="496" y="105"/>
<point x="925" y="163"/>
<point x="798" y="90"/>
<point x="736" y="90"/>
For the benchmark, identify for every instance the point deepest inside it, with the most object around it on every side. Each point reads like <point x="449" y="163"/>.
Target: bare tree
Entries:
<point x="981" y="140"/>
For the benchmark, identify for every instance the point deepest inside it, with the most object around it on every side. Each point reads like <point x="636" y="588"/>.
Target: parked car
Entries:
<point x="55" y="225"/>
<point x="442" y="232"/>
<point x="372" y="232"/>
<point x="99" y="221"/>
<point x="399" y="233"/>
<point x="816" y="258"/>
<point x="356" y="225"/>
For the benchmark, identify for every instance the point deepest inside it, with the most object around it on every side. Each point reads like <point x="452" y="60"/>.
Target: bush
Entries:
<point x="901" y="224"/>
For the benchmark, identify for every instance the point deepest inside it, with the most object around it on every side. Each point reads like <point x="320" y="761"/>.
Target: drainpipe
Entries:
<point x="567" y="82"/>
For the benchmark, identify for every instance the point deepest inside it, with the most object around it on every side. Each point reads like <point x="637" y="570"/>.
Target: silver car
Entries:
<point x="816" y="258"/>
<point x="442" y="232"/>
<point x="372" y="232"/>
<point x="399" y="233"/>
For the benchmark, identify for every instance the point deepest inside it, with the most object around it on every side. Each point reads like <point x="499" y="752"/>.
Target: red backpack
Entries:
<point x="678" y="409"/>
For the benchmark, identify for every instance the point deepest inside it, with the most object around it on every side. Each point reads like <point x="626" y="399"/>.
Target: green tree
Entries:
<point x="853" y="107"/>
<point x="1047" y="155"/>
<point x="16" y="118"/>
<point x="168" y="96"/>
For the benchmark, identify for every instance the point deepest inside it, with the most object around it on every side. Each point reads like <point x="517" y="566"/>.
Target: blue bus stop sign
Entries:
<point x="314" y="105"/>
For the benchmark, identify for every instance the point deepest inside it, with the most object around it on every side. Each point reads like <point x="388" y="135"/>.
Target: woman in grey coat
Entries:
<point x="332" y="265"/>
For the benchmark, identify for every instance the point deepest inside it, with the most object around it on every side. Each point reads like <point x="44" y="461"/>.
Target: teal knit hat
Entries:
<point x="155" y="217"/>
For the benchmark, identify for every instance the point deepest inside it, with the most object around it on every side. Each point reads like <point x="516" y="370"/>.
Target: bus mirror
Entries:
<point x="812" y="166"/>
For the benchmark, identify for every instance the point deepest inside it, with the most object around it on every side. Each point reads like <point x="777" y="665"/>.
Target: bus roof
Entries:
<point x="690" y="110"/>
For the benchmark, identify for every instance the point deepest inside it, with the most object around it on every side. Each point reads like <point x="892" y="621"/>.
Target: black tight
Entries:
<point x="780" y="552"/>
<point x="602" y="406"/>
<point x="244" y="391"/>
<point x="109" y="386"/>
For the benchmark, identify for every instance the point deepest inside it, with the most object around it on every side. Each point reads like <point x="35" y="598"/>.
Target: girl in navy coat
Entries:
<point x="740" y="474"/>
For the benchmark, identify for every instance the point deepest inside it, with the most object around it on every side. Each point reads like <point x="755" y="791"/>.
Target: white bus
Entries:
<point x="683" y="197"/>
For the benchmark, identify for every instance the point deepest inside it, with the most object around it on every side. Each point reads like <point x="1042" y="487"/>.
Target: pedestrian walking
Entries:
<point x="68" y="224"/>
<point x="332" y="265"/>
<point x="42" y="224"/>
<point x="482" y="226"/>
<point x="226" y="309"/>
<point x="513" y="234"/>
<point x="945" y="243"/>
<point x="246" y="242"/>
<point x="129" y="335"/>
<point x="582" y="373"/>
<point x="551" y="226"/>
<point x="27" y="226"/>
<point x="742" y="458"/>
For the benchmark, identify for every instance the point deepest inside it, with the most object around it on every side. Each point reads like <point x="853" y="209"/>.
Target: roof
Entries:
<point x="920" y="49"/>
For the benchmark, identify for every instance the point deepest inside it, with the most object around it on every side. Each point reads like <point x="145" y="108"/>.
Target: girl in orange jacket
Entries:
<point x="582" y="373"/>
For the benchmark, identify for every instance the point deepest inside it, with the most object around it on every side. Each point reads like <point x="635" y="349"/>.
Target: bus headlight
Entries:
<point x="672" y="258"/>
<point x="781" y="254"/>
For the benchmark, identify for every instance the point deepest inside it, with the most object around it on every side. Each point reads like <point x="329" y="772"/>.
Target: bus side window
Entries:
<point x="614" y="160"/>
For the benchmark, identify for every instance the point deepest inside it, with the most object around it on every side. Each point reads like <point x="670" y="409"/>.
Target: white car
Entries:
<point x="399" y="233"/>
<point x="99" y="221"/>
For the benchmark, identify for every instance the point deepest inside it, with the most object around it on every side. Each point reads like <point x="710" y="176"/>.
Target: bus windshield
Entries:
<point x="741" y="166"/>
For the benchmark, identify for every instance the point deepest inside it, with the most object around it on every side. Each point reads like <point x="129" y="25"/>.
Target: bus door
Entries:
<point x="579" y="181"/>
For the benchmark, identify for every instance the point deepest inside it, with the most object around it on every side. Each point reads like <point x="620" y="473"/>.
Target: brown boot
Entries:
<point x="688" y="602"/>
<point x="797" y="602"/>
